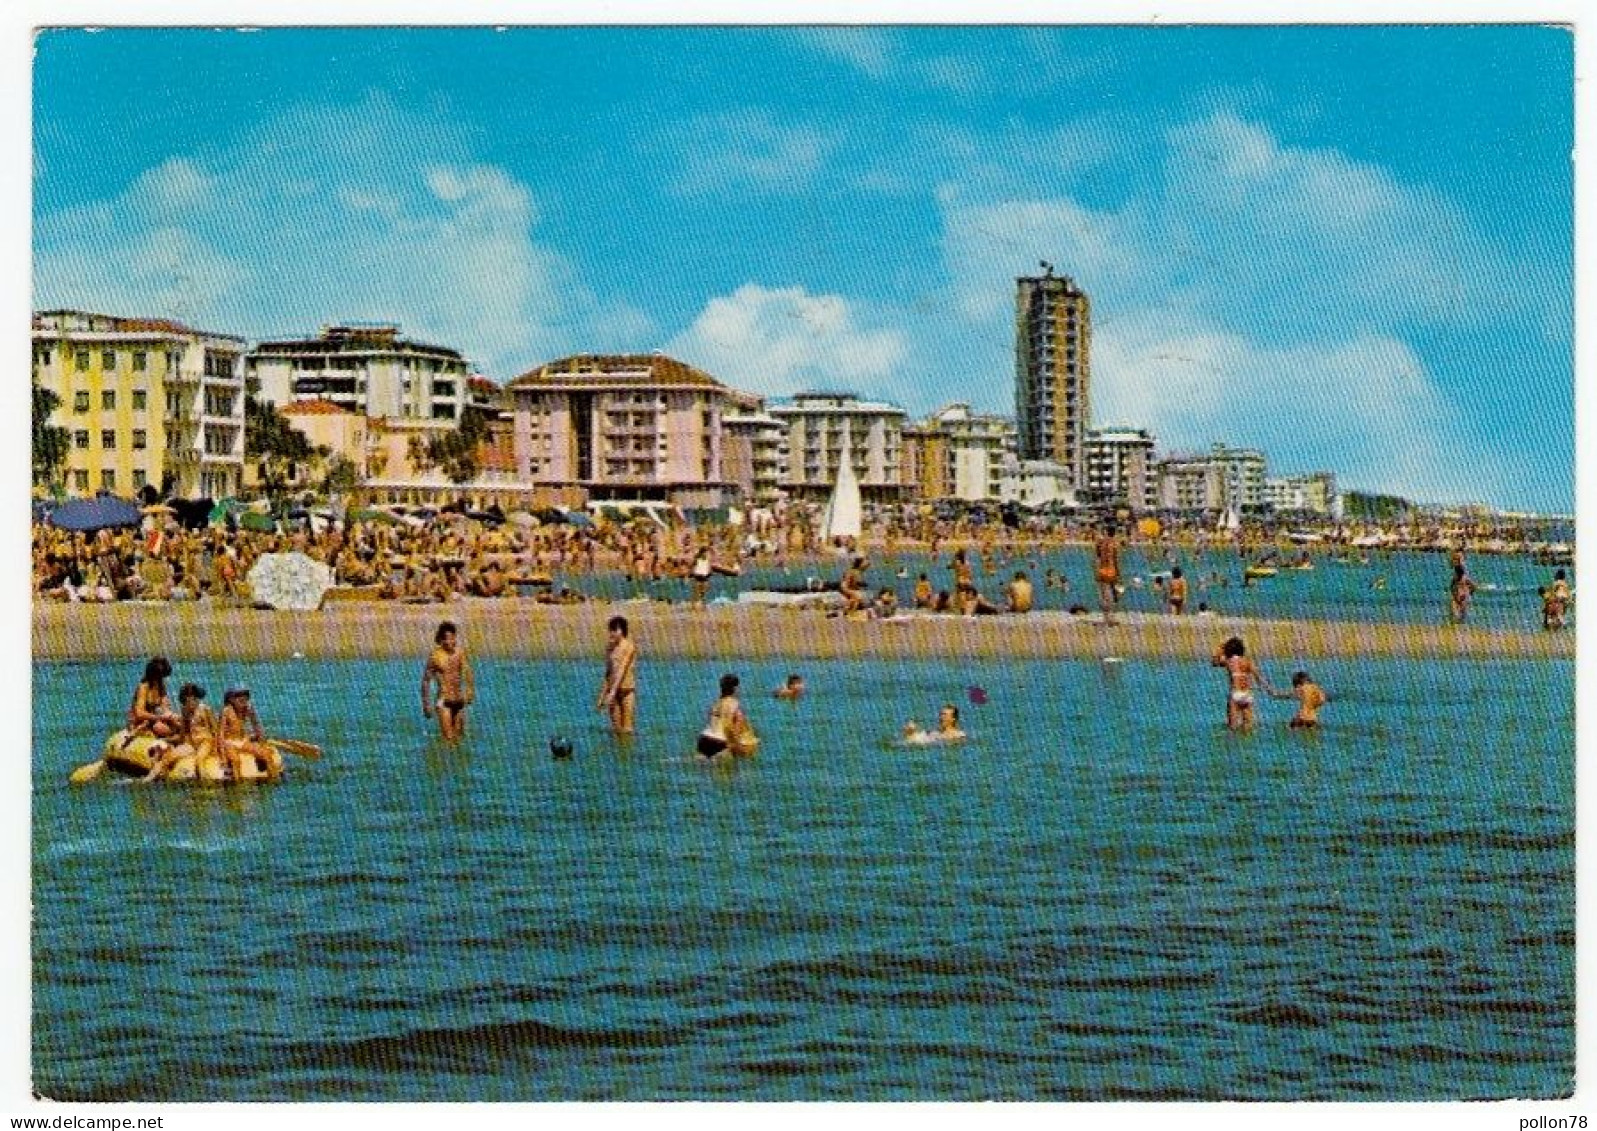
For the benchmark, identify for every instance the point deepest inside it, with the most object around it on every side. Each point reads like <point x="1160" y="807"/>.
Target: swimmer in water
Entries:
<point x="1310" y="696"/>
<point x="792" y="689"/>
<point x="948" y="729"/>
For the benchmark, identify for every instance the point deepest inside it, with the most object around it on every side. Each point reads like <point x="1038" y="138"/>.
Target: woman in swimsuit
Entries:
<point x="1240" y="674"/>
<point x="151" y="712"/>
<point x="726" y="724"/>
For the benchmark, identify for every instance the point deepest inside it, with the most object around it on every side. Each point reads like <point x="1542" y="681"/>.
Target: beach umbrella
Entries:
<point x="522" y="518"/>
<point x="100" y="513"/>
<point x="290" y="581"/>
<point x="577" y="518"/>
<point x="487" y="517"/>
<point x="254" y="520"/>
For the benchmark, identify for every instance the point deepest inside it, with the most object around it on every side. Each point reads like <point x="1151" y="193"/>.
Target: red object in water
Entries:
<point x="977" y="695"/>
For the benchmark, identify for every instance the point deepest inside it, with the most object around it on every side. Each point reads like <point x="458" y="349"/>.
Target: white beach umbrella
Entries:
<point x="290" y="581"/>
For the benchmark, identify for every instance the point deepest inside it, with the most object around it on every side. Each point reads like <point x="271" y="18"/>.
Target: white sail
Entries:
<point x="843" y="515"/>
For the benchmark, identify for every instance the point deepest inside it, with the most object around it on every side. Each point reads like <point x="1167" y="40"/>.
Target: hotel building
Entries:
<point x="1120" y="468"/>
<point x="1053" y="372"/>
<point x="366" y="369"/>
<point x="624" y="427"/>
<point x="146" y="402"/>
<point x="821" y="425"/>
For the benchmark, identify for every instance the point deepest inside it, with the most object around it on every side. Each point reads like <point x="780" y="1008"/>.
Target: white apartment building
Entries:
<point x="976" y="448"/>
<point x="1223" y="479"/>
<point x="1120" y="468"/>
<point x="821" y="425"/>
<point x="754" y="450"/>
<point x="146" y="402"/>
<point x="367" y="369"/>
<point x="1314" y="493"/>
<point x="1036" y="482"/>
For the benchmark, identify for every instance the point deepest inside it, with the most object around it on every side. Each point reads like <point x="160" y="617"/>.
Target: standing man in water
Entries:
<point x="619" y="695"/>
<point x="1106" y="557"/>
<point x="448" y="669"/>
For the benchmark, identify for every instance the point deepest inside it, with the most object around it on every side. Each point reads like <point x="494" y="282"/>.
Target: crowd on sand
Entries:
<point x="452" y="556"/>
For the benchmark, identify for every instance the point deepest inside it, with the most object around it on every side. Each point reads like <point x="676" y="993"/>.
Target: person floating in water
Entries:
<point x="948" y="729"/>
<point x="1310" y="696"/>
<point x="1106" y="572"/>
<point x="619" y="694"/>
<point x="1241" y="672"/>
<point x="448" y="669"/>
<point x="792" y="689"/>
<point x="151" y="711"/>
<point x="727" y="730"/>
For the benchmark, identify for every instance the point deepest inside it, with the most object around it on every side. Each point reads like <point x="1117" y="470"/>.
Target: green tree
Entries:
<point x="50" y="442"/>
<point x="342" y="476"/>
<point x="456" y="452"/>
<point x="274" y="445"/>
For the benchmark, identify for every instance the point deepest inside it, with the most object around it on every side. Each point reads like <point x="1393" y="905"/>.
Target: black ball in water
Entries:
<point x="560" y="747"/>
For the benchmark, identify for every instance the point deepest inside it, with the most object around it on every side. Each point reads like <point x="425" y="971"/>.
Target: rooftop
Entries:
<point x="615" y="369"/>
<point x="359" y="338"/>
<point x="84" y="321"/>
<point x="314" y="407"/>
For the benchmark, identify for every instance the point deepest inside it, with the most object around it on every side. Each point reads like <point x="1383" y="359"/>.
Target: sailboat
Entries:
<point x="843" y="516"/>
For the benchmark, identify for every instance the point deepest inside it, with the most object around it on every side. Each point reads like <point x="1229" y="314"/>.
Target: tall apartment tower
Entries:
<point x="1053" y="342"/>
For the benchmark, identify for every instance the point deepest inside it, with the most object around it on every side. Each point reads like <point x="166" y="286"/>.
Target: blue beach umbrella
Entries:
<point x="100" y="513"/>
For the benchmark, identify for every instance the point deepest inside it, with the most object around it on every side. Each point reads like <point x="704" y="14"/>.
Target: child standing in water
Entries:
<point x="1460" y="590"/>
<point x="1310" y="696"/>
<point x="619" y="695"/>
<point x="1176" y="595"/>
<point x="448" y="668"/>
<point x="1241" y="672"/>
<point x="948" y="729"/>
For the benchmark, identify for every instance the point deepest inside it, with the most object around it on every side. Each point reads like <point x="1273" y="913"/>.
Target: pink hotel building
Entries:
<point x="625" y="427"/>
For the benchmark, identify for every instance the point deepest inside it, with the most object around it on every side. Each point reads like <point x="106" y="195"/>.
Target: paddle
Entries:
<point x="87" y="773"/>
<point x="295" y="746"/>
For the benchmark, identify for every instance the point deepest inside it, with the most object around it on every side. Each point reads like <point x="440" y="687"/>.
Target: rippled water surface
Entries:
<point x="1103" y="895"/>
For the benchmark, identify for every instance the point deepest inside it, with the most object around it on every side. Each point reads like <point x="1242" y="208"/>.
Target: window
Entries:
<point x="108" y="439"/>
<point x="43" y="357"/>
<point x="108" y="481"/>
<point x="80" y="401"/>
<point x="80" y="479"/>
<point x="138" y="440"/>
<point x="140" y="359"/>
<point x="140" y="398"/>
<point x="139" y="480"/>
<point x="80" y="360"/>
<point x="80" y="439"/>
<point x="108" y="359"/>
<point x="108" y="401"/>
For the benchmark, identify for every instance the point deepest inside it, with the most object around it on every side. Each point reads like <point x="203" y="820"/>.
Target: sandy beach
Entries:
<point x="525" y="628"/>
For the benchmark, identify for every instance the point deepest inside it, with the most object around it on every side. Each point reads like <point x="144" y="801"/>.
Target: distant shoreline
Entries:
<point x="526" y="629"/>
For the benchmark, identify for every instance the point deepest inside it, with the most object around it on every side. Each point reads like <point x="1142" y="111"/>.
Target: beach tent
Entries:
<point x="100" y="513"/>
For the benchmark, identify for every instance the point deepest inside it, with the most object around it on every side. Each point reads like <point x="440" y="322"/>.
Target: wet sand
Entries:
<point x="526" y="629"/>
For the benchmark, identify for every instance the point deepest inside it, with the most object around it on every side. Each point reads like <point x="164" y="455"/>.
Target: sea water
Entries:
<point x="1102" y="895"/>
<point x="1396" y="587"/>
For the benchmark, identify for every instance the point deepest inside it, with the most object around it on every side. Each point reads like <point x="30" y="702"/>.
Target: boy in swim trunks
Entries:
<point x="448" y="668"/>
<point x="1240" y="675"/>
<point x="1176" y="595"/>
<point x="619" y="694"/>
<point x="1310" y="696"/>
<point x="192" y="744"/>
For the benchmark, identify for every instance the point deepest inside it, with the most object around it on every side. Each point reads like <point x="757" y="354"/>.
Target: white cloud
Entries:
<point x="360" y="212"/>
<point x="868" y="50"/>
<point x="747" y="150"/>
<point x="777" y="341"/>
<point x="1264" y="294"/>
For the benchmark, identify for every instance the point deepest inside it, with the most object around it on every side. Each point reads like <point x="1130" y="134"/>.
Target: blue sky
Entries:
<point x="1351" y="247"/>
